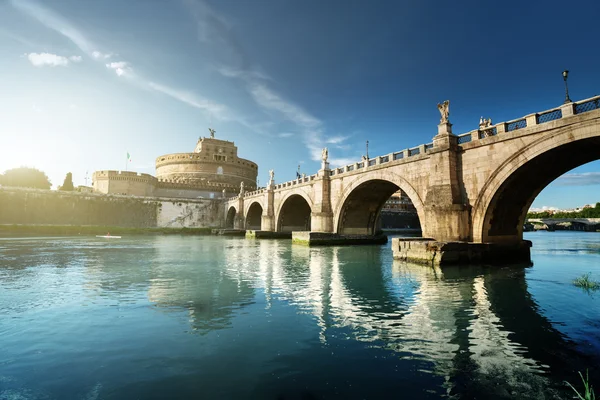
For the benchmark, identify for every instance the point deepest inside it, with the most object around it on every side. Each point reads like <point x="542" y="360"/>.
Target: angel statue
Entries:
<point x="324" y="154"/>
<point x="271" y="175"/>
<point x="444" y="111"/>
<point x="212" y="132"/>
<point x="242" y="187"/>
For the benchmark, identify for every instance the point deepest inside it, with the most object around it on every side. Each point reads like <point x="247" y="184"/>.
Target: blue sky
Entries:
<point x="84" y="82"/>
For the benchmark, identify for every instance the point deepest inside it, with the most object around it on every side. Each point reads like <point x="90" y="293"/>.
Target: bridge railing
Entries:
<point x="578" y="107"/>
<point x="539" y="118"/>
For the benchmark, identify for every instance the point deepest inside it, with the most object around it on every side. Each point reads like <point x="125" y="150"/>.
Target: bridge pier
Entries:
<point x="437" y="253"/>
<point x="321" y="217"/>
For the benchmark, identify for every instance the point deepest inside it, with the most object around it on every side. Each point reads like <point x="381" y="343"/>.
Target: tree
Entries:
<point x="67" y="185"/>
<point x="26" y="177"/>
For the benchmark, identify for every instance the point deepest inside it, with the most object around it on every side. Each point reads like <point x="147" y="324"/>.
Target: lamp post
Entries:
<point x="565" y="76"/>
<point x="367" y="149"/>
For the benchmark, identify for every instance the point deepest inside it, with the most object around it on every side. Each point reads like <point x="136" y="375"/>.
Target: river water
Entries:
<point x="203" y="317"/>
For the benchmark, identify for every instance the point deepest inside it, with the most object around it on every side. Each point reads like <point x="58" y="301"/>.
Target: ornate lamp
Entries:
<point x="565" y="76"/>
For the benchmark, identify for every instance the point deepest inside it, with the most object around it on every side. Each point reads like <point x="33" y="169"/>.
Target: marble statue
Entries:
<point x="242" y="187"/>
<point x="271" y="175"/>
<point x="324" y="154"/>
<point x="444" y="111"/>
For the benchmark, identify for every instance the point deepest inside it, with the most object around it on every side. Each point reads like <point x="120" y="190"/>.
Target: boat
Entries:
<point x="108" y="236"/>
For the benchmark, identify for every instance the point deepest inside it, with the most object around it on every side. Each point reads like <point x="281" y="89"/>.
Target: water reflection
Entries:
<point x="281" y="320"/>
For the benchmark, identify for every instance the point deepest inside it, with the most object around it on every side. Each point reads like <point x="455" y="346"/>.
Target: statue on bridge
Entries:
<point x="241" y="188"/>
<point x="224" y="193"/>
<point x="485" y="123"/>
<point x="444" y="111"/>
<point x="324" y="154"/>
<point x="271" y="177"/>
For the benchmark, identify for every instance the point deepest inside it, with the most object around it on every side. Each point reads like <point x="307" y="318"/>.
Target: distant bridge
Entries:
<point x="580" y="223"/>
<point x="474" y="187"/>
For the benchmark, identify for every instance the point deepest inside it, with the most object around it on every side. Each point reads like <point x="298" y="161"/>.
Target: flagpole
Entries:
<point x="126" y="161"/>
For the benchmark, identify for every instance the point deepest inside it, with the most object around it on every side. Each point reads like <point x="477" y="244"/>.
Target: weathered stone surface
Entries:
<point x="251" y="234"/>
<point x="333" y="239"/>
<point x="49" y="207"/>
<point x="473" y="191"/>
<point x="431" y="252"/>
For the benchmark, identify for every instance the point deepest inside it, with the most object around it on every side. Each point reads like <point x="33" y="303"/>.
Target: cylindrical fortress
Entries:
<point x="213" y="161"/>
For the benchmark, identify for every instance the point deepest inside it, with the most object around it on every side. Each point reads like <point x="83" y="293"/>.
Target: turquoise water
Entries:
<point x="228" y="318"/>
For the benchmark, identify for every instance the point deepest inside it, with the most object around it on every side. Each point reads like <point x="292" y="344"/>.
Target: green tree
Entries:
<point x="67" y="185"/>
<point x="25" y="177"/>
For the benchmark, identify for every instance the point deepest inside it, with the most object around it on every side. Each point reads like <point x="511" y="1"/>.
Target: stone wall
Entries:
<point x="48" y="207"/>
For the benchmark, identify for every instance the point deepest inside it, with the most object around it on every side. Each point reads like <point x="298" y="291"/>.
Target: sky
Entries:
<point x="84" y="82"/>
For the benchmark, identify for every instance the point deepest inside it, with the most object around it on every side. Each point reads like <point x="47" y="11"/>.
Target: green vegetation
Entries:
<point x="67" y="185"/>
<point x="591" y="212"/>
<point x="586" y="282"/>
<point x="588" y="393"/>
<point x="91" y="230"/>
<point x="25" y="177"/>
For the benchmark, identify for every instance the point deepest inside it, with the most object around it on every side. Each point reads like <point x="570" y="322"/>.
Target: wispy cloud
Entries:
<point x="55" y="22"/>
<point x="336" y="139"/>
<point x="120" y="67"/>
<point x="582" y="179"/>
<point x="101" y="56"/>
<point x="191" y="99"/>
<point x="215" y="28"/>
<point x="47" y="59"/>
<point x="285" y="135"/>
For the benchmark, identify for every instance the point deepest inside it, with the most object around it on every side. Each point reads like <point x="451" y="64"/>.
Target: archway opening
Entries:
<point x="506" y="214"/>
<point x="294" y="215"/>
<point x="378" y="206"/>
<point x="229" y="221"/>
<point x="254" y="217"/>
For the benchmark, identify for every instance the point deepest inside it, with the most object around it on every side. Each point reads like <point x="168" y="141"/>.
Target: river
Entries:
<point x="204" y="317"/>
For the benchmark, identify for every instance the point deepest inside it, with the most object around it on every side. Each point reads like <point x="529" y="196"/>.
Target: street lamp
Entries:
<point x="565" y="76"/>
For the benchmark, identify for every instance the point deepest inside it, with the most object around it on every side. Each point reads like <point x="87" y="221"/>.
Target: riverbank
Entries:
<point x="71" y="230"/>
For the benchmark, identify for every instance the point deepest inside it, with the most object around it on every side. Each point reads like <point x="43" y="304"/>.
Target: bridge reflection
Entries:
<point x="477" y="330"/>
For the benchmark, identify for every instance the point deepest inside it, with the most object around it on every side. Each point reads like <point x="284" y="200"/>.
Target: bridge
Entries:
<point x="475" y="187"/>
<point x="577" y="224"/>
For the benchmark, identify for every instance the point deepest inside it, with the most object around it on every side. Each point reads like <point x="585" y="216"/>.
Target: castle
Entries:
<point x="213" y="170"/>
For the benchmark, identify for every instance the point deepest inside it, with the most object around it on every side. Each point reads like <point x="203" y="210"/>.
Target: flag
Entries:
<point x="128" y="157"/>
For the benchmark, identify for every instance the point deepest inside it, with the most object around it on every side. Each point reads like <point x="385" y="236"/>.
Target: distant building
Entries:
<point x="399" y="201"/>
<point x="213" y="170"/>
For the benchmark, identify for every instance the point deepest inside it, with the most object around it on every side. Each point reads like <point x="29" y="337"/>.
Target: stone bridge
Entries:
<point x="475" y="187"/>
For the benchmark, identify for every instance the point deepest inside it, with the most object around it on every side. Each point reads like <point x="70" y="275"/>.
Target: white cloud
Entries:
<point x="101" y="56"/>
<point x="191" y="99"/>
<point x="76" y="59"/>
<point x="43" y="59"/>
<point x="214" y="28"/>
<point x="337" y="139"/>
<point x="120" y="67"/>
<point x="285" y="135"/>
<point x="582" y="179"/>
<point x="54" y="21"/>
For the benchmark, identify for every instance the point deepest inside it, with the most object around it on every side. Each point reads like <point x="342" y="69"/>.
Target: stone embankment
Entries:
<point x="33" y="207"/>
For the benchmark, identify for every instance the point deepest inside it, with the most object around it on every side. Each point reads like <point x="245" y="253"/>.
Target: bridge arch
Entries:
<point x="501" y="206"/>
<point x="294" y="212"/>
<point x="230" y="218"/>
<point x="358" y="208"/>
<point x="254" y="216"/>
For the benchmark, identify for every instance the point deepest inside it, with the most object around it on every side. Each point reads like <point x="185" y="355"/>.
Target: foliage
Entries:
<point x="25" y="177"/>
<point x="68" y="183"/>
<point x="591" y="212"/>
<point x="586" y="282"/>
<point x="588" y="393"/>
